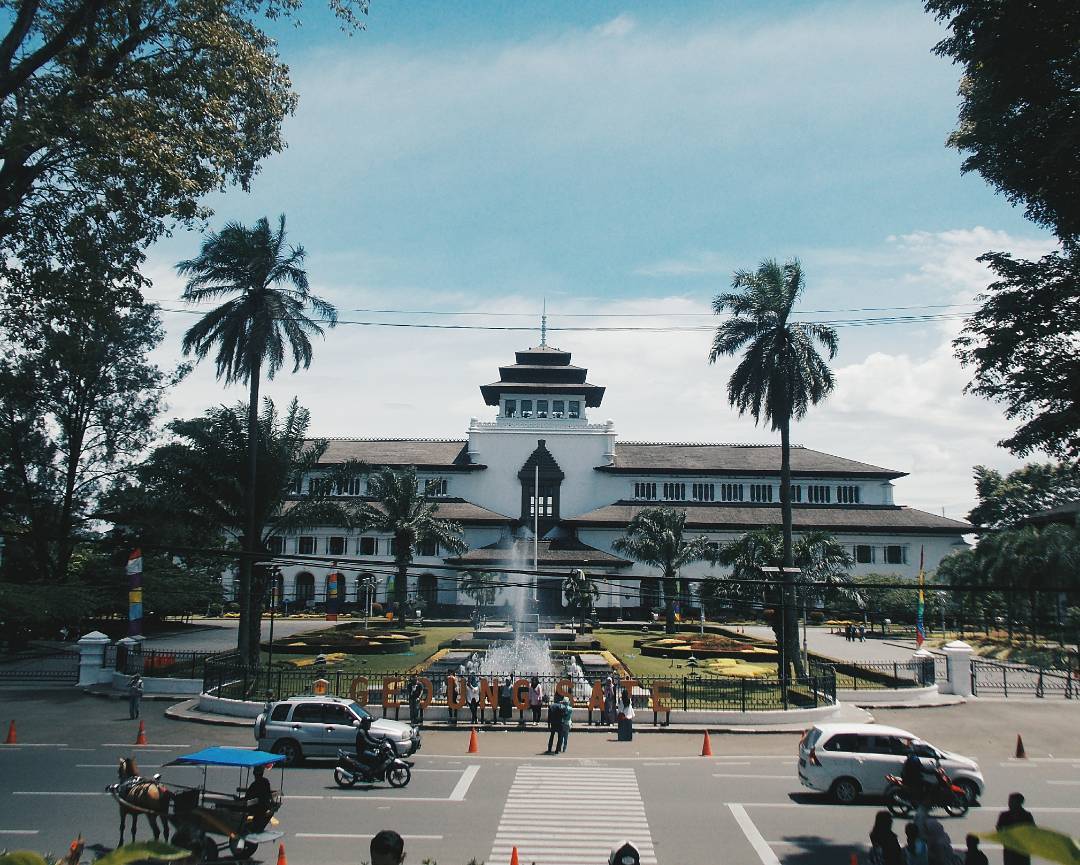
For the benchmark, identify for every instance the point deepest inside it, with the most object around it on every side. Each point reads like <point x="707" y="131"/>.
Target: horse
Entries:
<point x="137" y="795"/>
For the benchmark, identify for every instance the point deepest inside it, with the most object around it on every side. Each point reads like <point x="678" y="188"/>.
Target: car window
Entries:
<point x="359" y="711"/>
<point x="309" y="712"/>
<point x="281" y="712"/>
<point x="812" y="735"/>
<point x="844" y="742"/>
<point x="924" y="750"/>
<point x="335" y="713"/>
<point x="889" y="745"/>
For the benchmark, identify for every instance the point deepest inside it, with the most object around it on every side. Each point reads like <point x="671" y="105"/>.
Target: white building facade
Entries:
<point x="541" y="462"/>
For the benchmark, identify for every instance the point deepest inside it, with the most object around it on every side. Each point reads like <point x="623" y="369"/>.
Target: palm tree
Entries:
<point x="266" y="314"/>
<point x="779" y="376"/>
<point x="402" y="510"/>
<point x="482" y="587"/>
<point x="655" y="536"/>
<point x="580" y="592"/>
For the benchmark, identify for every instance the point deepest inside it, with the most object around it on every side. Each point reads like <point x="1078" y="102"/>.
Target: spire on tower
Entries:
<point x="543" y="325"/>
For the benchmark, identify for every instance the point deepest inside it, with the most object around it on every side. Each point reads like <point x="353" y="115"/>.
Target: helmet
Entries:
<point x="365" y="723"/>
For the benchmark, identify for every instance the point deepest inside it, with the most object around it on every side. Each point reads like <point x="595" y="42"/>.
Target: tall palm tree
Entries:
<point x="580" y="592"/>
<point x="482" y="587"/>
<point x="404" y="511"/>
<point x="656" y="536"/>
<point x="270" y="310"/>
<point x="780" y="375"/>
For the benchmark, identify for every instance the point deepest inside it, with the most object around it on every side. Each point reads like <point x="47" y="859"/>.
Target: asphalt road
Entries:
<point x="742" y="806"/>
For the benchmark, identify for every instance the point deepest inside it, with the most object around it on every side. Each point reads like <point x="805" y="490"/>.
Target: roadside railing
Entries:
<point x="989" y="677"/>
<point x="878" y="675"/>
<point x="692" y="692"/>
<point x="164" y="663"/>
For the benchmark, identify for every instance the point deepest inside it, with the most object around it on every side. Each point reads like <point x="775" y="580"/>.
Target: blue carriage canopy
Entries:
<point x="222" y="756"/>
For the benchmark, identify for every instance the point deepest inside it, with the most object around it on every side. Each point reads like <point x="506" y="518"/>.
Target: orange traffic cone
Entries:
<point x="1021" y="754"/>
<point x="11" y="738"/>
<point x="513" y="856"/>
<point x="474" y="742"/>
<point x="706" y="746"/>
<point x="281" y="860"/>
<point x="141" y="738"/>
<point x="854" y="859"/>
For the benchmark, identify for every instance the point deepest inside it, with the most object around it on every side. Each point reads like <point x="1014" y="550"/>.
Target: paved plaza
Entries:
<point x="743" y="806"/>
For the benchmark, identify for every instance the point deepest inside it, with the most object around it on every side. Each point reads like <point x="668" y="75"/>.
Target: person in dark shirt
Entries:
<point x="1016" y="815"/>
<point x="884" y="840"/>
<point x="368" y="747"/>
<point x="974" y="855"/>
<point x="259" y="798"/>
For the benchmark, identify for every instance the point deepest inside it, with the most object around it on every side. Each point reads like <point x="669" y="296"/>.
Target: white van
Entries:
<point x="846" y="760"/>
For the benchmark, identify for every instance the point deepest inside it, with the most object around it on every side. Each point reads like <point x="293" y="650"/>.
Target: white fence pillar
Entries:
<point x="958" y="656"/>
<point x="92" y="659"/>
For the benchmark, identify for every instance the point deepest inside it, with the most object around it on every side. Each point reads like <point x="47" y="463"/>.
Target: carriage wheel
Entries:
<point x="241" y="848"/>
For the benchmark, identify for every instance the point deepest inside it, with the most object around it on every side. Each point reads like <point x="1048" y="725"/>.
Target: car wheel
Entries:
<point x="845" y="790"/>
<point x="290" y="749"/>
<point x="971" y="791"/>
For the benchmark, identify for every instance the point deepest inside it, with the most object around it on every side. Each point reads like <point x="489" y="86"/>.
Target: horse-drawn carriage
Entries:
<point x="205" y="821"/>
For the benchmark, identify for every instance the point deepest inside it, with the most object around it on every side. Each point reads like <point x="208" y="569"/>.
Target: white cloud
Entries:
<point x="900" y="409"/>
<point x="618" y="26"/>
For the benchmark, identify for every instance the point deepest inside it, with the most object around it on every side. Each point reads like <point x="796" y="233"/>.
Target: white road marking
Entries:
<point x="56" y="793"/>
<point x="32" y="745"/>
<point x="463" y="784"/>
<point x="1063" y="782"/>
<point x="362" y="798"/>
<point x="983" y="807"/>
<point x="19" y="831"/>
<point x="761" y="846"/>
<point x="113" y="765"/>
<point x="143" y="747"/>
<point x="414" y="771"/>
<point x="566" y="814"/>
<point x="363" y="837"/>
<point x="767" y="777"/>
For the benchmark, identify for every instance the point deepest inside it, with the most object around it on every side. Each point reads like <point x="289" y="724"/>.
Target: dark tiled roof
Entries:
<point x="592" y="393"/>
<point x="422" y="453"/>
<point x="833" y="518"/>
<point x="686" y="457"/>
<point x="556" y="553"/>
<point x="1064" y="513"/>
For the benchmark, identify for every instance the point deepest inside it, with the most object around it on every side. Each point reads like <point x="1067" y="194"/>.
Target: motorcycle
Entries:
<point x="390" y="768"/>
<point x="945" y="794"/>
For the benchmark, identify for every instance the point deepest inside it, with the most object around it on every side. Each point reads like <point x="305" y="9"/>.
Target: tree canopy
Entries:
<point x="1005" y="501"/>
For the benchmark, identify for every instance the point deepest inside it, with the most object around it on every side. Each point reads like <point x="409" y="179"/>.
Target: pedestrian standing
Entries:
<point x="939" y="849"/>
<point x="915" y="848"/>
<point x="884" y="845"/>
<point x="554" y="721"/>
<point x="626" y="717"/>
<point x="566" y="720"/>
<point x="609" y="701"/>
<point x="536" y="698"/>
<point x="472" y="694"/>
<point x="413" y="692"/>
<point x="847" y="633"/>
<point x="862" y="634"/>
<point x="135" y="692"/>
<point x="1015" y="816"/>
<point x="974" y="856"/>
<point x="506" y="700"/>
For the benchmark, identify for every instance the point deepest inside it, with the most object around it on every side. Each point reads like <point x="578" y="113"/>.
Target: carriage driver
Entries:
<point x="259" y="799"/>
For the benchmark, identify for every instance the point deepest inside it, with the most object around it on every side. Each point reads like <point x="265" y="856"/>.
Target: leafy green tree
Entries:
<point x="1006" y="501"/>
<point x="482" y="587"/>
<point x="779" y="376"/>
<point x="120" y="117"/>
<point x="197" y="486"/>
<point x="266" y="315"/>
<point x="1019" y="100"/>
<point x="1021" y="344"/>
<point x="657" y="537"/>
<point x="78" y="400"/>
<point x="581" y="593"/>
<point x="404" y="511"/>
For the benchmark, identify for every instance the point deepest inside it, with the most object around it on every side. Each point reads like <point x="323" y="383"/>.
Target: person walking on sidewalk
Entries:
<point x="135" y="692"/>
<point x="555" y="712"/>
<point x="566" y="719"/>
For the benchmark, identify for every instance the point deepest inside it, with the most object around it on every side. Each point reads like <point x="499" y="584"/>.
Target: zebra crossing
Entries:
<point x="571" y="815"/>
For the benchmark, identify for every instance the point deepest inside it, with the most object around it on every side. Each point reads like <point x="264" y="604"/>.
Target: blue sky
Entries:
<point x="621" y="159"/>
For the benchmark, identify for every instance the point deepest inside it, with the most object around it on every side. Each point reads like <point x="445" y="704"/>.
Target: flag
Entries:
<point x="1029" y="840"/>
<point x="135" y="599"/>
<point x="920" y="625"/>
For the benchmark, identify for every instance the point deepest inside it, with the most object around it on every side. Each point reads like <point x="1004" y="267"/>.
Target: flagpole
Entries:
<point x="135" y="596"/>
<point x="920" y="625"/>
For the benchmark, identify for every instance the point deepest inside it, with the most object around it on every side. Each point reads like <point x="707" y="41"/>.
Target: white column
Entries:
<point x="958" y="659"/>
<point x="92" y="658"/>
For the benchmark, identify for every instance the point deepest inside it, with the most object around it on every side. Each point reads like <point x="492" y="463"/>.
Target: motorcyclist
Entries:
<point x="369" y="749"/>
<point x="913" y="777"/>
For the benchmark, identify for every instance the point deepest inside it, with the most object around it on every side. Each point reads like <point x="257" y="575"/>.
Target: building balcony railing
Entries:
<point x="542" y="423"/>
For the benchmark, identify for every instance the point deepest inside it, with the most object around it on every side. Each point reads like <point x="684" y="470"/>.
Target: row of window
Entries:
<point x="890" y="554"/>
<point x="337" y="545"/>
<point x="356" y="486"/>
<point x="569" y="408"/>
<point x="675" y="491"/>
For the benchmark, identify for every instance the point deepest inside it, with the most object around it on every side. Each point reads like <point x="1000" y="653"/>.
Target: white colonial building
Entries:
<point x="590" y="484"/>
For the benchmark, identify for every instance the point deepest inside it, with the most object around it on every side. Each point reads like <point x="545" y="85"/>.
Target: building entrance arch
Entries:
<point x="427" y="590"/>
<point x="304" y="588"/>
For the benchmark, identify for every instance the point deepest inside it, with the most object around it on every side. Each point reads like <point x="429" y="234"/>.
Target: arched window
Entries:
<point x="427" y="588"/>
<point x="305" y="588"/>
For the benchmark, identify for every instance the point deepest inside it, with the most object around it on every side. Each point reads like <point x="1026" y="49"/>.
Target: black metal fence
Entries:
<point x="162" y="663"/>
<point x="991" y="678"/>
<point x="41" y="665"/>
<point x="229" y="679"/>
<point x="877" y="675"/>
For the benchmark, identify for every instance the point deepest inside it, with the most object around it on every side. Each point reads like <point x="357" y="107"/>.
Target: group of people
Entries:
<point x="854" y="633"/>
<point x="502" y="712"/>
<point x="927" y="842"/>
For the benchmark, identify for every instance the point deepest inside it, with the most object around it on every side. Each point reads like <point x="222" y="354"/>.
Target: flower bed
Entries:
<point x="346" y="642"/>
<point x="703" y="646"/>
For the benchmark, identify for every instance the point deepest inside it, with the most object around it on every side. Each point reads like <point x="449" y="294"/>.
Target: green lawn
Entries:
<point x="387" y="663"/>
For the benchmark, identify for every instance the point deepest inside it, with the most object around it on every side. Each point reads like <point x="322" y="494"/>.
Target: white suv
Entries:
<point x="317" y="726"/>
<point x="848" y="759"/>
